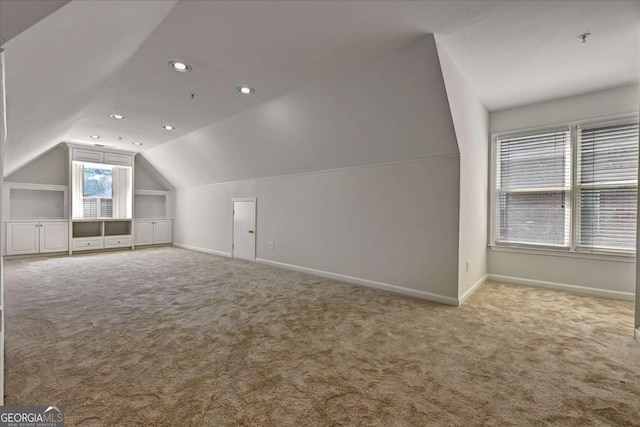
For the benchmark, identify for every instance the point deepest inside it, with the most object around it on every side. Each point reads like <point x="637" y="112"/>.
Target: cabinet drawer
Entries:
<point x="117" y="159"/>
<point x="88" y="243"/>
<point x="88" y="156"/>
<point x="117" y="241"/>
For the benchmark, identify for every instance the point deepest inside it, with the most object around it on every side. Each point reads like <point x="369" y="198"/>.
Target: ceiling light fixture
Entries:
<point x="583" y="37"/>
<point x="117" y="116"/>
<point x="246" y="90"/>
<point x="137" y="143"/>
<point x="169" y="127"/>
<point x="94" y="136"/>
<point x="180" y="66"/>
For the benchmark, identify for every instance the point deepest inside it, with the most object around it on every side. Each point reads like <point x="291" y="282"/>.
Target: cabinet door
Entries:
<point x="162" y="231"/>
<point x="54" y="236"/>
<point x="117" y="159"/>
<point x="88" y="156"/>
<point x="23" y="238"/>
<point x="143" y="233"/>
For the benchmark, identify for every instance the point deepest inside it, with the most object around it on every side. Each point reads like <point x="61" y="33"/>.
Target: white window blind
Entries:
<point x="533" y="188"/>
<point x="607" y="187"/>
<point x="97" y="207"/>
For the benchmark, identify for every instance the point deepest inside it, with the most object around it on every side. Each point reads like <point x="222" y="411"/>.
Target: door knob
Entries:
<point x="250" y="231"/>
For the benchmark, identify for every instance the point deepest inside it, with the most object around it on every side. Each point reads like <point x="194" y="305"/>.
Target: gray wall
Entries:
<point x="357" y="175"/>
<point x="471" y="121"/>
<point x="602" y="276"/>
<point x="396" y="224"/>
<point x="50" y="168"/>
<point x="147" y="177"/>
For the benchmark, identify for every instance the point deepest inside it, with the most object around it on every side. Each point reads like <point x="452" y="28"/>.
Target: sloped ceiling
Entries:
<point x="56" y="68"/>
<point x="391" y="109"/>
<point x="18" y="15"/>
<point x="87" y="60"/>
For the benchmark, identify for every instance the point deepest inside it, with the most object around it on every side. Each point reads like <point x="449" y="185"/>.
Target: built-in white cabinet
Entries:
<point x="92" y="156"/>
<point x="89" y="235"/>
<point x="99" y="156"/>
<point x="152" y="231"/>
<point x="48" y="218"/>
<point x="33" y="237"/>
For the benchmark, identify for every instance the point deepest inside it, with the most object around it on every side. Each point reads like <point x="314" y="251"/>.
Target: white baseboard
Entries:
<point x="637" y="335"/>
<point x="472" y="289"/>
<point x="364" y="282"/>
<point x="627" y="296"/>
<point x="206" y="251"/>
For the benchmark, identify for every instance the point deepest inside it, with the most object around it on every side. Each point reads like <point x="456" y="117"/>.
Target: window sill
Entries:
<point x="602" y="256"/>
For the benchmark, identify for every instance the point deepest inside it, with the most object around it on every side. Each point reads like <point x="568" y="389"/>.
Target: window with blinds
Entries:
<point x="533" y="183"/>
<point x="607" y="186"/>
<point x="573" y="188"/>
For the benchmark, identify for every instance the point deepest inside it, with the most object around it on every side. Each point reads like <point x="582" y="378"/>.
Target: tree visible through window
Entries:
<point x="98" y="183"/>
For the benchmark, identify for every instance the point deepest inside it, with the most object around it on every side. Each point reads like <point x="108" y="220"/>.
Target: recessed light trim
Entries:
<point x="117" y="116"/>
<point x="137" y="143"/>
<point x="168" y="127"/>
<point x="246" y="90"/>
<point x="180" y="67"/>
<point x="94" y="136"/>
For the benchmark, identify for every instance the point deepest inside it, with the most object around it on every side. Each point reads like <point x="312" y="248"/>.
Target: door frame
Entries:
<point x="255" y="221"/>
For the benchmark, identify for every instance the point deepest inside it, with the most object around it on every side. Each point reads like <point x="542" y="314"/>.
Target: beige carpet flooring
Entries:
<point x="168" y="337"/>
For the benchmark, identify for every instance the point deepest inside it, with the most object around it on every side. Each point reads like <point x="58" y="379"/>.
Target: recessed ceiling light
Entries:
<point x="94" y="136"/>
<point x="137" y="143"/>
<point x="180" y="66"/>
<point x="117" y="116"/>
<point x="246" y="90"/>
<point x="169" y="127"/>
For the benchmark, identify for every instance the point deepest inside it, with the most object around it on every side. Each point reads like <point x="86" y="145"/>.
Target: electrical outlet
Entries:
<point x="271" y="246"/>
<point x="467" y="266"/>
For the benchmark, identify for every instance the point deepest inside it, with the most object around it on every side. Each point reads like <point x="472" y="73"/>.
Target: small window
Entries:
<point x="101" y="191"/>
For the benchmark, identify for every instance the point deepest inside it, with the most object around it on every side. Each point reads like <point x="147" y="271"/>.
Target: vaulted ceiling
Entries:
<point x="68" y="72"/>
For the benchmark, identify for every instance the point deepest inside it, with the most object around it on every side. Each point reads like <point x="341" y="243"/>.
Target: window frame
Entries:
<point x="573" y="249"/>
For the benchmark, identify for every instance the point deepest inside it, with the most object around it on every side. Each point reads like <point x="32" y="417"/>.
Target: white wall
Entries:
<point x="3" y="130"/>
<point x="356" y="175"/>
<point x="637" y="278"/>
<point x="600" y="104"/>
<point x="396" y="223"/>
<point x="471" y="121"/>
<point x="609" y="278"/>
<point x="50" y="168"/>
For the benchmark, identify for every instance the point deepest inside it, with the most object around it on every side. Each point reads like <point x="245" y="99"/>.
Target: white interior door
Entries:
<point x="244" y="235"/>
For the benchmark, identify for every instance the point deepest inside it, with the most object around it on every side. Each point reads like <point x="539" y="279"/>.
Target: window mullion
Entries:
<point x="574" y="193"/>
